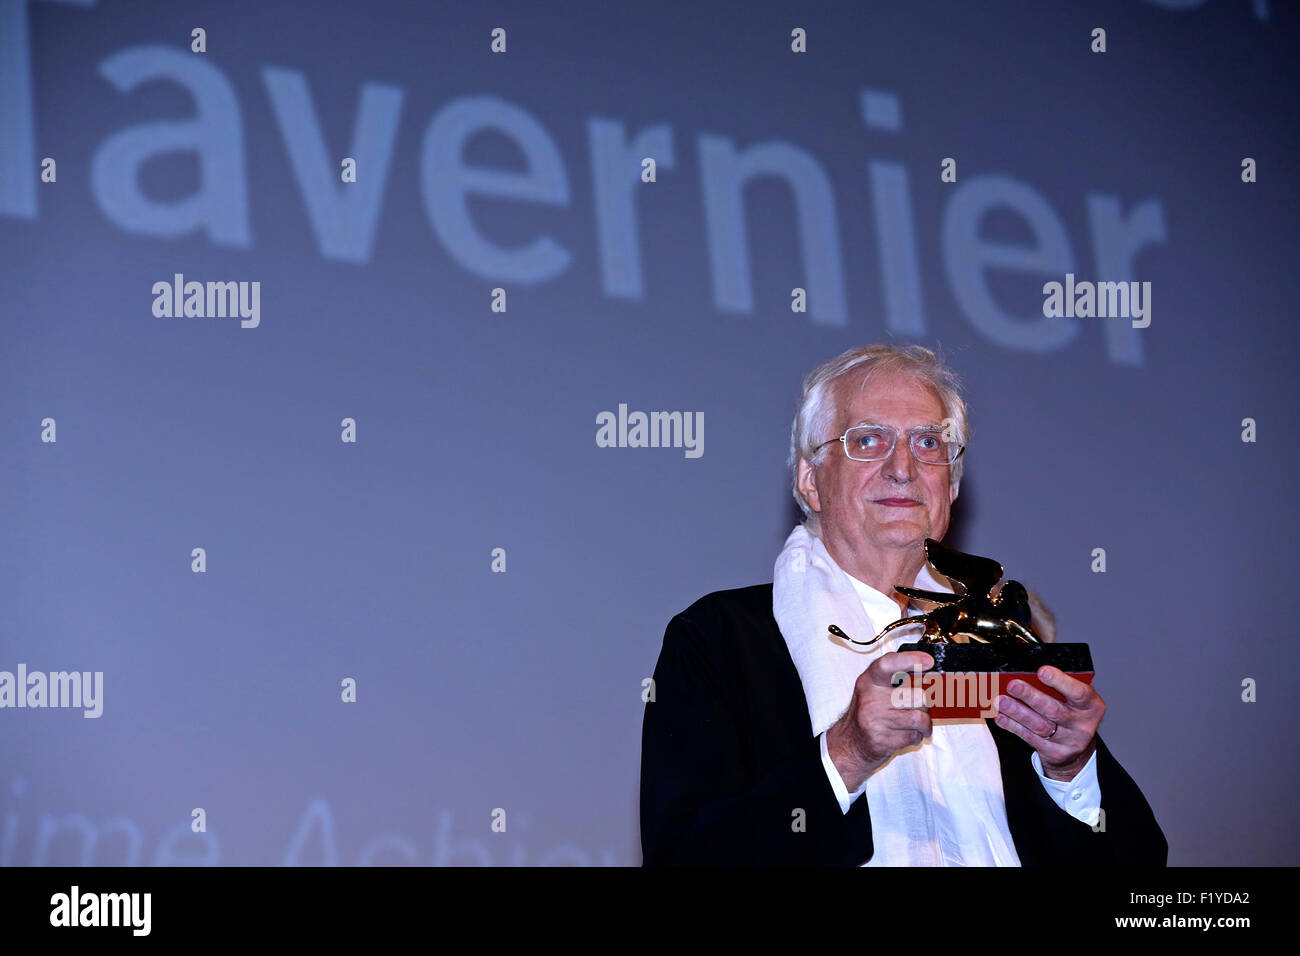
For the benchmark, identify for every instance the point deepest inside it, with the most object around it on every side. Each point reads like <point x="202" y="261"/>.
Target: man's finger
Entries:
<point x="1076" y="692"/>
<point x="1038" y="701"/>
<point x="1037" y="741"/>
<point x="906" y="697"/>
<point x="1027" y="717"/>
<point x="888" y="665"/>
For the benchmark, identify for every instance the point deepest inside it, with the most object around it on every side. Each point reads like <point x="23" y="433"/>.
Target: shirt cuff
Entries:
<point x="1080" y="797"/>
<point x="837" y="782"/>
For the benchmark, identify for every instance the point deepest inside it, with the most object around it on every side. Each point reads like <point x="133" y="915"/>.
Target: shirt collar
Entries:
<point x="883" y="609"/>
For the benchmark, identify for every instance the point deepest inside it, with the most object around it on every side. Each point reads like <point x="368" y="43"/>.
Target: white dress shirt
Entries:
<point x="943" y="803"/>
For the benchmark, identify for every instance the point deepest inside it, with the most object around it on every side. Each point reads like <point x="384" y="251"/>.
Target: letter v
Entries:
<point x="343" y="214"/>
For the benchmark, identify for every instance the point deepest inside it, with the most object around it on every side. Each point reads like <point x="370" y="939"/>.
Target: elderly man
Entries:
<point x="772" y="741"/>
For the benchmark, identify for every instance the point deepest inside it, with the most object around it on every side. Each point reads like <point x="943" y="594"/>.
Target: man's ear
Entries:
<point x="808" y="485"/>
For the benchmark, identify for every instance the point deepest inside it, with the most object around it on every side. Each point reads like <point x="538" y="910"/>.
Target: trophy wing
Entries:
<point x="978" y="574"/>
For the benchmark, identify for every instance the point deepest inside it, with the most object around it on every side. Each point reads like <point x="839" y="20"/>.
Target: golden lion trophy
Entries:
<point x="981" y="637"/>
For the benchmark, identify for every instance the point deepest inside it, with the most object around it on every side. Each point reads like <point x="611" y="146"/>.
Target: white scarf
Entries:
<point x="938" y="803"/>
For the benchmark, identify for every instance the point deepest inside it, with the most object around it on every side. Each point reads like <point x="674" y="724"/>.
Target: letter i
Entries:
<point x="895" y="229"/>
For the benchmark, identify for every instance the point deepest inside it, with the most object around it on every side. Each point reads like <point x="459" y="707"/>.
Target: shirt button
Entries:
<point x="1076" y="795"/>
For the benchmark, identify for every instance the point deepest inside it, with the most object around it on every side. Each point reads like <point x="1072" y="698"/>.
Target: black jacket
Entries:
<point x="728" y="755"/>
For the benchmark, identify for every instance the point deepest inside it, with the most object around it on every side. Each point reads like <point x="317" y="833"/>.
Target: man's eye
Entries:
<point x="928" y="442"/>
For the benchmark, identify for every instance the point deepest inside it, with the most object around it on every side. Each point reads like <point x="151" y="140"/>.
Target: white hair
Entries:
<point x="815" y="415"/>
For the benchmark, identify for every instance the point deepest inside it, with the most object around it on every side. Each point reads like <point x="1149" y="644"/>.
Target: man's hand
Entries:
<point x="873" y="729"/>
<point x="1063" y="732"/>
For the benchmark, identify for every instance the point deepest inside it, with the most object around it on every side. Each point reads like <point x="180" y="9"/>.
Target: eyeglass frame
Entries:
<point x="911" y="433"/>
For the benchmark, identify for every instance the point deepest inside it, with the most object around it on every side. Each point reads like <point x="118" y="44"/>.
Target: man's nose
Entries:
<point x="900" y="466"/>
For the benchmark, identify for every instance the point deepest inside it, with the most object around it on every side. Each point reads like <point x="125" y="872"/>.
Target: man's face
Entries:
<point x="868" y="508"/>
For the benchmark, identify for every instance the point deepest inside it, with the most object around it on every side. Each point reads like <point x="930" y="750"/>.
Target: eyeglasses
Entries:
<point x="876" y="442"/>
